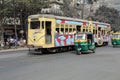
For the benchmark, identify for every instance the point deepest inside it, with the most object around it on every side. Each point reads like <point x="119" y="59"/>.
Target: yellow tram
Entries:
<point x="56" y="33"/>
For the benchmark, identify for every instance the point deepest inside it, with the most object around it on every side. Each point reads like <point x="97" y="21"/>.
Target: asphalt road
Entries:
<point x="102" y="65"/>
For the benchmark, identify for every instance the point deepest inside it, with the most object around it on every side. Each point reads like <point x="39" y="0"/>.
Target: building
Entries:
<point x="54" y="7"/>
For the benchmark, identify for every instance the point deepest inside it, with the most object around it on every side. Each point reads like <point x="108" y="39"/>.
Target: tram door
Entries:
<point x="48" y="35"/>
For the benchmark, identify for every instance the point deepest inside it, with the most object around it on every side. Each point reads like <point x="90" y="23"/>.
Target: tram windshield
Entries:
<point x="35" y="25"/>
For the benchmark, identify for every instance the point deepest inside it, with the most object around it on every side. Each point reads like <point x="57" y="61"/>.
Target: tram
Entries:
<point x="56" y="33"/>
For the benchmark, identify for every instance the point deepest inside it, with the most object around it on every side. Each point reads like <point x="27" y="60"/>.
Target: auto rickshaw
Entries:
<point x="115" y="39"/>
<point x="84" y="42"/>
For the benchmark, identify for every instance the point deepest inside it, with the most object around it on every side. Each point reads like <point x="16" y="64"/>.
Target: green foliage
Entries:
<point x="108" y="15"/>
<point x="28" y="6"/>
<point x="67" y="9"/>
<point x="91" y="1"/>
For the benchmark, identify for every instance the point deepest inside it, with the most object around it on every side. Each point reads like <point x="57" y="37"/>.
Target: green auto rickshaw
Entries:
<point x="115" y="39"/>
<point x="84" y="42"/>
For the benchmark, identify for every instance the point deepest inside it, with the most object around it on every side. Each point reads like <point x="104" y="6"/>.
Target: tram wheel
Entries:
<point x="44" y="51"/>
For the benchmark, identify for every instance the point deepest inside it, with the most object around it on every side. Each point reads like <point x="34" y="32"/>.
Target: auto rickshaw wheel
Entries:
<point x="94" y="50"/>
<point x="114" y="46"/>
<point x="79" y="52"/>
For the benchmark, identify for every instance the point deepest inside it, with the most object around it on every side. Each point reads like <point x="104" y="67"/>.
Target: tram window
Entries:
<point x="62" y="31"/>
<point x="70" y="26"/>
<point x="35" y="25"/>
<point x="62" y="25"/>
<point x="57" y="25"/>
<point x="83" y="30"/>
<point x="86" y="30"/>
<point x="103" y="32"/>
<point x="94" y="32"/>
<point x="74" y="31"/>
<point x="57" y="30"/>
<point x="66" y="30"/>
<point x="42" y="24"/>
<point x="78" y="28"/>
<point x="89" y="30"/>
<point x="66" y="26"/>
<point x="70" y="29"/>
<point x="99" y="29"/>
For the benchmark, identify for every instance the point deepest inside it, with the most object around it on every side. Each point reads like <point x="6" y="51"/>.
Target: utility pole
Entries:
<point x="16" y="36"/>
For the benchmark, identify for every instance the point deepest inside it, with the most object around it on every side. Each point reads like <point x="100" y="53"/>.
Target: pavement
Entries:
<point x="13" y="49"/>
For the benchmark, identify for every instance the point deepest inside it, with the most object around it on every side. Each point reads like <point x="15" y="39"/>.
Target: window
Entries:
<point x="62" y="31"/>
<point x="57" y="25"/>
<point x="84" y="30"/>
<point x="94" y="31"/>
<point x="70" y="26"/>
<point x="43" y="23"/>
<point x="99" y="29"/>
<point x="70" y="29"/>
<point x="57" y="30"/>
<point x="62" y="26"/>
<point x="66" y="30"/>
<point x="78" y="28"/>
<point x="35" y="25"/>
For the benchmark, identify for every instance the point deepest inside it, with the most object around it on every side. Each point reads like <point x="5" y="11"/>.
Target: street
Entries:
<point x="102" y="65"/>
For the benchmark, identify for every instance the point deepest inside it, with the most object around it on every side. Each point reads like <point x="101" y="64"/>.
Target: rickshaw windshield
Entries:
<point x="115" y="36"/>
<point x="80" y="37"/>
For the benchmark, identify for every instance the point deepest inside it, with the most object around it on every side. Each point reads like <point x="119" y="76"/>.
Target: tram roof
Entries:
<point x="57" y="17"/>
<point x="63" y="18"/>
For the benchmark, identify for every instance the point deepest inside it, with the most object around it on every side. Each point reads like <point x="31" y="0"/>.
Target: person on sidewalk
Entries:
<point x="15" y="43"/>
<point x="9" y="43"/>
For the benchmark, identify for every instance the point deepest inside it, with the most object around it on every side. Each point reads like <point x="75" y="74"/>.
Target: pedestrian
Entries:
<point x="5" y="41"/>
<point x="15" y="43"/>
<point x="9" y="43"/>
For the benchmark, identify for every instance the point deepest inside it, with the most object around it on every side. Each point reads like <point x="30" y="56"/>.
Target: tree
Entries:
<point x="108" y="15"/>
<point x="70" y="10"/>
<point x="91" y="2"/>
<point x="21" y="9"/>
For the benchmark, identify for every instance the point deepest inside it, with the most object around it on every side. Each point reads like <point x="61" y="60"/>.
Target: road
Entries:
<point x="102" y="65"/>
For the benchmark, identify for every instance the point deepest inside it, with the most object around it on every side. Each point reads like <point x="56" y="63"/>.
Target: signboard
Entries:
<point x="11" y="21"/>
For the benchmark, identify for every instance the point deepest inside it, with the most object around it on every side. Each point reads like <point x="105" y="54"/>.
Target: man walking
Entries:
<point x="15" y="43"/>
